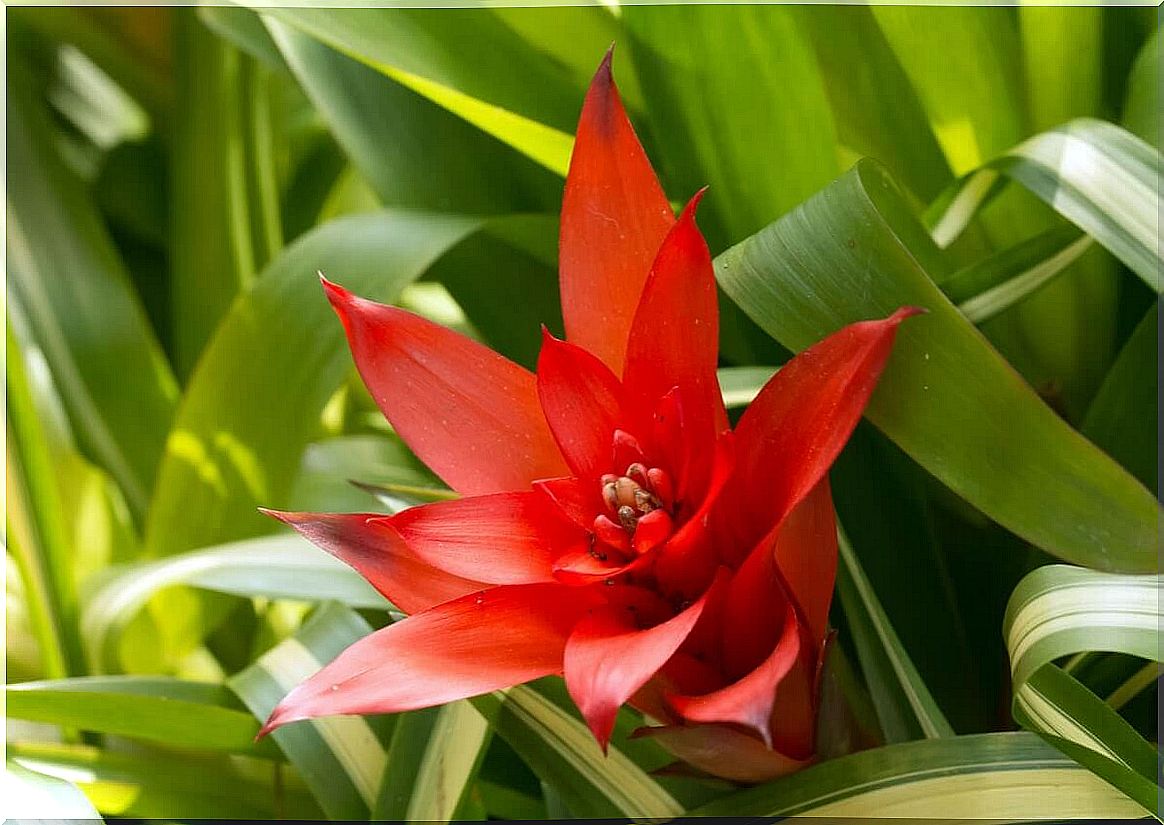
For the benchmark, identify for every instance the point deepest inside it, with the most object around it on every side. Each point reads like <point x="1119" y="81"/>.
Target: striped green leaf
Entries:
<point x="561" y="750"/>
<point x="432" y="761"/>
<point x="341" y="758"/>
<point x="171" y="711"/>
<point x="1095" y="174"/>
<point x="904" y="705"/>
<point x="1058" y="611"/>
<point x="1011" y="777"/>
<point x="283" y="566"/>
<point x="855" y="251"/>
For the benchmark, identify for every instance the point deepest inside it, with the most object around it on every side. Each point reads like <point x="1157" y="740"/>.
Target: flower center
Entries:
<point x="638" y="508"/>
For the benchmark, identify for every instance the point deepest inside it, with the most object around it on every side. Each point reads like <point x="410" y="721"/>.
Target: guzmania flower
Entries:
<point x="612" y="527"/>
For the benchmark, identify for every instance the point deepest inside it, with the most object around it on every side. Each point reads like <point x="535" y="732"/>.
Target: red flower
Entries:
<point x="612" y="527"/>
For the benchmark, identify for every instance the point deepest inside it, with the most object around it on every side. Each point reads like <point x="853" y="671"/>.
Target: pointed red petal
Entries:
<point x="614" y="216"/>
<point x="608" y="657"/>
<point x="675" y="337"/>
<point x="467" y="412"/>
<point x="481" y="642"/>
<point x="806" y="554"/>
<point x="582" y="401"/>
<point x="748" y="701"/>
<point x="723" y="751"/>
<point x="504" y="538"/>
<point x="790" y="435"/>
<point x="378" y="554"/>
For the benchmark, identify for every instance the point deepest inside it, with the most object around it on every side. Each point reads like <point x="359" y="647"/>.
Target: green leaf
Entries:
<point x="855" y="252"/>
<point x="561" y="750"/>
<point x="703" y="67"/>
<point x="986" y="776"/>
<point x="1063" y="52"/>
<point x="75" y="293"/>
<point x="1142" y="105"/>
<point x="159" y="784"/>
<point x="865" y="82"/>
<point x="35" y="796"/>
<point x="283" y="566"/>
<point x="432" y="762"/>
<point x="341" y="758"/>
<point x="36" y="534"/>
<point x="338" y="474"/>
<point x="467" y="61"/>
<point x="994" y="285"/>
<point x="172" y="711"/>
<point x="964" y="64"/>
<point x="1123" y="416"/>
<point x="1058" y="611"/>
<point x="1093" y="173"/>
<point x="387" y="130"/>
<point x="233" y="450"/>
<point x="904" y="704"/>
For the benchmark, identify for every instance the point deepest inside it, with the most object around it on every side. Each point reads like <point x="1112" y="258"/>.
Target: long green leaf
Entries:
<point x="341" y="758"/>
<point x="1123" y="416"/>
<point x="853" y="252"/>
<point x="467" y="61"/>
<point x="171" y="711"/>
<point x="432" y="761"/>
<point x="283" y="566"/>
<point x="999" y="776"/>
<point x="560" y="749"/>
<point x="1142" y="106"/>
<point x="76" y="295"/>
<point x="254" y="402"/>
<point x="904" y="704"/>
<point x="1058" y="611"/>
<point x="1095" y="174"/>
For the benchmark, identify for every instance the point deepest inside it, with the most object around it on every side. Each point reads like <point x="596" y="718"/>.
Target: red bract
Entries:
<point x="613" y="529"/>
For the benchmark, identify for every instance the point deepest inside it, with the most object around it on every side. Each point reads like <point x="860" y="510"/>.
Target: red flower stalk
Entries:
<point x="612" y="529"/>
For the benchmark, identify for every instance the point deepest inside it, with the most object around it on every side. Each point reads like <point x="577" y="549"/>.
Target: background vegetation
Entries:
<point x="177" y="176"/>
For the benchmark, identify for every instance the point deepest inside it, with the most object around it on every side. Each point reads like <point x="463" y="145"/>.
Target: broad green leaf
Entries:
<point x="855" y="252"/>
<point x="964" y="64"/>
<point x="36" y="796"/>
<point x="904" y="704"/>
<point x="432" y="760"/>
<point x="1062" y="49"/>
<point x="282" y="566"/>
<point x="224" y="218"/>
<point x="1095" y="174"/>
<point x="753" y="67"/>
<point x="560" y="749"/>
<point x="254" y="402"/>
<point x="1058" y="611"/>
<point x="74" y="291"/>
<point x="244" y="28"/>
<point x="467" y="61"/>
<point x="1123" y="416"/>
<point x="865" y="83"/>
<point x="171" y="711"/>
<point x="986" y="776"/>
<point x="165" y="784"/>
<point x="341" y="758"/>
<point x="387" y="130"/>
